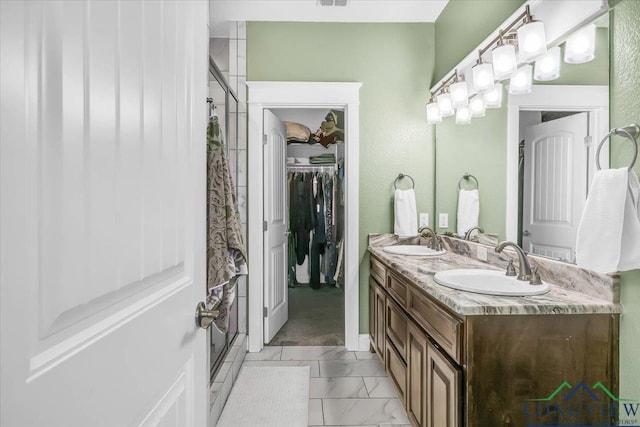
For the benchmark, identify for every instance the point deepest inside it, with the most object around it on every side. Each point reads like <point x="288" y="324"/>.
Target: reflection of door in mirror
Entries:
<point x="555" y="183"/>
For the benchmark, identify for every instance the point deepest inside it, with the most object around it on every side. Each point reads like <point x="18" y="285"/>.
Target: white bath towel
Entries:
<point x="468" y="210"/>
<point x="608" y="237"/>
<point x="405" y="221"/>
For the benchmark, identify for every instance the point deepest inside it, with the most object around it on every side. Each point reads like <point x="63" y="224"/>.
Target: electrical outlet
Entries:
<point x="443" y="220"/>
<point x="424" y="220"/>
<point x="482" y="254"/>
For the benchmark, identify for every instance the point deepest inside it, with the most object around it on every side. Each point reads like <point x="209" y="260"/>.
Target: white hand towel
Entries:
<point x="405" y="221"/>
<point x="608" y="237"/>
<point x="468" y="210"/>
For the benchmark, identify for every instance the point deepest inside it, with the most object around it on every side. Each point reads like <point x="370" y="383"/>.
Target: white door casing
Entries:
<point x="276" y="293"/>
<point x="102" y="210"/>
<point x="265" y="95"/>
<point x="555" y="185"/>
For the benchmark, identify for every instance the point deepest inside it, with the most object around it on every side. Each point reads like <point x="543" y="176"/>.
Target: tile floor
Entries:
<point x="346" y="388"/>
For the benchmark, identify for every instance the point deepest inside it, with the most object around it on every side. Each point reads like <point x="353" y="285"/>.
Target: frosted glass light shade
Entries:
<point x="476" y="106"/>
<point x="493" y="98"/>
<point x="433" y="114"/>
<point x="581" y="46"/>
<point x="532" y="41"/>
<point x="482" y="77"/>
<point x="445" y="106"/>
<point x="459" y="94"/>
<point x="548" y="67"/>
<point x="463" y="116"/>
<point x="504" y="61"/>
<point x="520" y="83"/>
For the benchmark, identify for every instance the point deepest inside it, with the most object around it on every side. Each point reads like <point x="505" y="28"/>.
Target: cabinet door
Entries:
<point x="372" y="312"/>
<point x="416" y="375"/>
<point x="380" y="322"/>
<point x="443" y="390"/>
<point x="396" y="328"/>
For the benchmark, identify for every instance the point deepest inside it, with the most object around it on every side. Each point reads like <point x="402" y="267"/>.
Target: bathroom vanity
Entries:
<point x="463" y="359"/>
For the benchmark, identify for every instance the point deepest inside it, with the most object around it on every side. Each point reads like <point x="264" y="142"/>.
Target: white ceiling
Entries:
<point x="223" y="11"/>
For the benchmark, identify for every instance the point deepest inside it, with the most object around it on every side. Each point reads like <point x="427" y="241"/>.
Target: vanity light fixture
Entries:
<point x="483" y="79"/>
<point x="463" y="116"/>
<point x="445" y="105"/>
<point x="459" y="92"/>
<point x="433" y="114"/>
<point x="581" y="46"/>
<point x="505" y="63"/>
<point x="548" y="67"/>
<point x="532" y="41"/>
<point x="476" y="106"/>
<point x="520" y="83"/>
<point x="493" y="98"/>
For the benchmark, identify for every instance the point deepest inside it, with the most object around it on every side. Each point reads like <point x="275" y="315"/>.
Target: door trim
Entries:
<point x="265" y="95"/>
<point x="591" y="99"/>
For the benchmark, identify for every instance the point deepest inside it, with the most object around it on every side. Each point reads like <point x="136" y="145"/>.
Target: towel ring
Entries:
<point x="630" y="132"/>
<point x="400" y="177"/>
<point x="465" y="177"/>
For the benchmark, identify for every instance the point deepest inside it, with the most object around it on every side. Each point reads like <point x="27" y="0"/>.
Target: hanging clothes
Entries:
<point x="226" y="253"/>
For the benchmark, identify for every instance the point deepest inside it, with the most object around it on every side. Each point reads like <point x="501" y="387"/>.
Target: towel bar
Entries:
<point x="400" y="177"/>
<point x="465" y="177"/>
<point x="630" y="132"/>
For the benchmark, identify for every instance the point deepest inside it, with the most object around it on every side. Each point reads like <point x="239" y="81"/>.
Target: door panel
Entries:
<point x="443" y="390"/>
<point x="103" y="203"/>
<point x="416" y="375"/>
<point x="276" y="218"/>
<point x="555" y="185"/>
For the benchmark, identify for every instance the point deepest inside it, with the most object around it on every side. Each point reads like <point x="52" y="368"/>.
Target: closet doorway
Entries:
<point x="310" y="298"/>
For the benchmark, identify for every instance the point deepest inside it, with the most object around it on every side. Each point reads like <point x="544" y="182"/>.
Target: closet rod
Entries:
<point x="312" y="168"/>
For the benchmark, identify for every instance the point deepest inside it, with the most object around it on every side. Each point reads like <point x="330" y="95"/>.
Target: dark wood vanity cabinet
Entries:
<point x="485" y="370"/>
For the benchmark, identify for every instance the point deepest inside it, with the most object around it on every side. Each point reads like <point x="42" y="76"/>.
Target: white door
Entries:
<point x="276" y="221"/>
<point x="102" y="205"/>
<point x="555" y="185"/>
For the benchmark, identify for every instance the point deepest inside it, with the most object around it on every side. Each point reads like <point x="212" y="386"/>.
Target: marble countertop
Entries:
<point x="421" y="269"/>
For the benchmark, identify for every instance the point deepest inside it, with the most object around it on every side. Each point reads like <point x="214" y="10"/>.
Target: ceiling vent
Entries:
<point x="332" y="2"/>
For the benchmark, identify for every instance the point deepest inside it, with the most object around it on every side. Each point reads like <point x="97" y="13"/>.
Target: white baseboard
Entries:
<point x="363" y="342"/>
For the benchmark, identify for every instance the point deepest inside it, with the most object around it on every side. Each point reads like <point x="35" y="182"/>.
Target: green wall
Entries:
<point x="395" y="63"/>
<point x="462" y="25"/>
<point x="625" y="109"/>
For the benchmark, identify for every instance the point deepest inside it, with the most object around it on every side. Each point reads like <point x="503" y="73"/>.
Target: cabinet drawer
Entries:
<point x="377" y="270"/>
<point x="445" y="329"/>
<point x="397" y="288"/>
<point x="397" y="370"/>
<point x="396" y="322"/>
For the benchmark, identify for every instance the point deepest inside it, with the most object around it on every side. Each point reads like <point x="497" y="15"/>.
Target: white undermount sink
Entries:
<point x="488" y="282"/>
<point x="414" y="250"/>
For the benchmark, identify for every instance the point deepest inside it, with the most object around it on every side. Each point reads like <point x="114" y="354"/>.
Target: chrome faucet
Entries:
<point x="524" y="268"/>
<point x="467" y="235"/>
<point x="435" y="240"/>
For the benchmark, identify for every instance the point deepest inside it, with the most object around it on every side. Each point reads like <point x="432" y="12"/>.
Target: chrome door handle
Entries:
<point x="526" y="233"/>
<point x="204" y="317"/>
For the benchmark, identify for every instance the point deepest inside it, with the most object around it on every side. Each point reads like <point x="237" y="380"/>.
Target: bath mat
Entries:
<point x="268" y="396"/>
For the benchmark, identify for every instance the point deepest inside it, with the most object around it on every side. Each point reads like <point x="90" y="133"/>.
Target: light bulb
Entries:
<point x="504" y="61"/>
<point x="532" y="41"/>
<point x="476" y="106"/>
<point x="548" y="67"/>
<point x="445" y="106"/>
<point x="482" y="77"/>
<point x="459" y="94"/>
<point x="493" y="98"/>
<point x="581" y="46"/>
<point x="463" y="116"/>
<point x="433" y="114"/>
<point x="520" y="83"/>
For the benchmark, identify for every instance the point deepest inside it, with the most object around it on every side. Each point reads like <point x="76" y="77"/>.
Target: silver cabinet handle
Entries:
<point x="204" y="317"/>
<point x="526" y="233"/>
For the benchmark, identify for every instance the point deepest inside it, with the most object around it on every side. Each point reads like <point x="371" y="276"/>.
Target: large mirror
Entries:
<point x="531" y="160"/>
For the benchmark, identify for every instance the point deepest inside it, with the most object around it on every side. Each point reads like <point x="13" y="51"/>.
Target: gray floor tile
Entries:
<point x="315" y="412"/>
<point x="312" y="364"/>
<point x="343" y="387"/>
<point x="379" y="387"/>
<point x="316" y="353"/>
<point x="267" y="353"/>
<point x="365" y="355"/>
<point x="353" y="412"/>
<point x="351" y="368"/>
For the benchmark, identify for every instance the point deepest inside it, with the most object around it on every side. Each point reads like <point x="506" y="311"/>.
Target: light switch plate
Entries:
<point x="481" y="254"/>
<point x="443" y="220"/>
<point x="424" y="220"/>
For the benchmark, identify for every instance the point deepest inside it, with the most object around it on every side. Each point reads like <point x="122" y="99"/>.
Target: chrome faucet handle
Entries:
<point x="511" y="270"/>
<point x="535" y="277"/>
